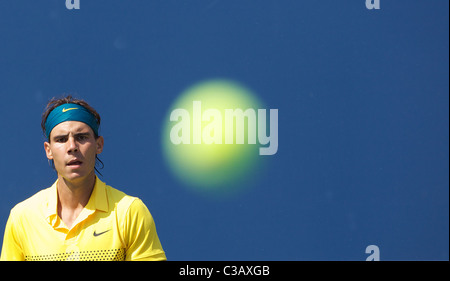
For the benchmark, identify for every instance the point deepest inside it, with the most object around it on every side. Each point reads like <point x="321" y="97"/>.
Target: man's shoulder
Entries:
<point x="32" y="204"/>
<point x="118" y="199"/>
<point x="124" y="204"/>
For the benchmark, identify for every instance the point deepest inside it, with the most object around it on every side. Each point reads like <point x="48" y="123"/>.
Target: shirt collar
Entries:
<point x="99" y="196"/>
<point x="97" y="201"/>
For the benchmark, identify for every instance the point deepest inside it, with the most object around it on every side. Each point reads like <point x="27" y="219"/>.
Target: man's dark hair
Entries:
<point x="55" y="102"/>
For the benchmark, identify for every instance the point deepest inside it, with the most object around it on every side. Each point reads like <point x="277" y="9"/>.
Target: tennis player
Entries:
<point x="79" y="217"/>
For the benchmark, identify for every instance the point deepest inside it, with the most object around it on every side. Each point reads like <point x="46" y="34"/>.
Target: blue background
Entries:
<point x="363" y="100"/>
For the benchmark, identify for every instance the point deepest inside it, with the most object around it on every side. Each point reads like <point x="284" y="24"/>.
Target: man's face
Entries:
<point x="73" y="147"/>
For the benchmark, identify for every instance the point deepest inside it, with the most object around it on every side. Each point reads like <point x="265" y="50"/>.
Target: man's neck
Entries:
<point x="73" y="196"/>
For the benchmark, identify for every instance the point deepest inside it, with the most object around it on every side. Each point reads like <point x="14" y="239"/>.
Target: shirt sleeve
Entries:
<point x="11" y="249"/>
<point x="140" y="234"/>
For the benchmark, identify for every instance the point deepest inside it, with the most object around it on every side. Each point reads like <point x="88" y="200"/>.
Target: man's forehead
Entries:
<point x="71" y="127"/>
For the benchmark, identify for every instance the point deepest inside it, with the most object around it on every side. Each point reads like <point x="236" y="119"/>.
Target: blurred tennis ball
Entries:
<point x="197" y="144"/>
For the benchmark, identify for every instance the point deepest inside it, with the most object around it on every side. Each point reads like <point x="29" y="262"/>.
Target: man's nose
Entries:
<point x="72" y="145"/>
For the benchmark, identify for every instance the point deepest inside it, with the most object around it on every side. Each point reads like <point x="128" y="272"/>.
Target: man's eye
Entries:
<point x="61" y="140"/>
<point x="81" y="138"/>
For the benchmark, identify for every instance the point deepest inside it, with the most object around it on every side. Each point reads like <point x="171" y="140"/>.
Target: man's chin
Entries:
<point x="76" y="175"/>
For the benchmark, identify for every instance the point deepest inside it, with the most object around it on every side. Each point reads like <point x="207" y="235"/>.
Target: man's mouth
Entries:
<point x="74" y="163"/>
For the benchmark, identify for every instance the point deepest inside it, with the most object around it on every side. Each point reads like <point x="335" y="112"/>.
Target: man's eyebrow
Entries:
<point x="82" y="134"/>
<point x="59" y="136"/>
<point x="76" y="134"/>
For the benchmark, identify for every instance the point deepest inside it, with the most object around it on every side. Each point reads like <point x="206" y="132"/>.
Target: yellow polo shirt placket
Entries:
<point x="69" y="239"/>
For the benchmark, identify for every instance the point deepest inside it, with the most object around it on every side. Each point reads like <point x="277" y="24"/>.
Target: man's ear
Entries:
<point x="99" y="141"/>
<point x="48" y="151"/>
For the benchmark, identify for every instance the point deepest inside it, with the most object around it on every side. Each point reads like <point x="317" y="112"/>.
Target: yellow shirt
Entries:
<point x="112" y="226"/>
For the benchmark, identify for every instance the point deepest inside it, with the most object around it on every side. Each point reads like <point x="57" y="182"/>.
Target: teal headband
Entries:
<point x="70" y="112"/>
